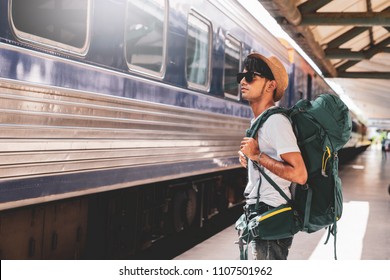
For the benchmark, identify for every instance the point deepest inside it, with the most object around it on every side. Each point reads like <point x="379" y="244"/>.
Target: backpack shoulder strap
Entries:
<point x="252" y="131"/>
<point x="272" y="182"/>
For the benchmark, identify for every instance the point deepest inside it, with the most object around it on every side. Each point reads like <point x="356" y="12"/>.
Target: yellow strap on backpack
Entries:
<point x="325" y="161"/>
<point x="274" y="213"/>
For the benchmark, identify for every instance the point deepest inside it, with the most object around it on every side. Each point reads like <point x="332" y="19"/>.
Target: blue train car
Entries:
<point x="121" y="120"/>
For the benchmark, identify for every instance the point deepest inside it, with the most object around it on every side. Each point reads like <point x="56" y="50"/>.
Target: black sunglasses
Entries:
<point x="248" y="76"/>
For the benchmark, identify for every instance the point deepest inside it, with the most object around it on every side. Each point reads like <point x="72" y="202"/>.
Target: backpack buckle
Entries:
<point x="305" y="187"/>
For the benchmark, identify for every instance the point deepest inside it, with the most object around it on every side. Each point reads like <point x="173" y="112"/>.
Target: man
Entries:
<point x="263" y="83"/>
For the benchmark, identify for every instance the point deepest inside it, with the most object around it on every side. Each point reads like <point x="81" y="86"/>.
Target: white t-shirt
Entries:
<point x="275" y="137"/>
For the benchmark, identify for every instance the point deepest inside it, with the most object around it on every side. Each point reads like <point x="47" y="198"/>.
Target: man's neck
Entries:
<point x="260" y="107"/>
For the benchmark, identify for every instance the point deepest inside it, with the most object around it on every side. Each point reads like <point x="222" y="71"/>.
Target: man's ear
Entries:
<point x="271" y="86"/>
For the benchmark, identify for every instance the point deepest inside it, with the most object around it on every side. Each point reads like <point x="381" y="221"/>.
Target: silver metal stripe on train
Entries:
<point x="48" y="132"/>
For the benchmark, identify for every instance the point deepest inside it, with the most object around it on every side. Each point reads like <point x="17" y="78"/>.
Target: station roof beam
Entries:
<point x="348" y="40"/>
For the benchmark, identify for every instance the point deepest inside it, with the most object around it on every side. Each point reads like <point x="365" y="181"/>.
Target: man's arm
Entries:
<point x="292" y="168"/>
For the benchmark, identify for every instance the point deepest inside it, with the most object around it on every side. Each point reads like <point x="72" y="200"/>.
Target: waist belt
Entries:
<point x="250" y="209"/>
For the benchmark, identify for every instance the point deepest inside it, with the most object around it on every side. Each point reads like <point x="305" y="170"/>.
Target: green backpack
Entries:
<point x="322" y="127"/>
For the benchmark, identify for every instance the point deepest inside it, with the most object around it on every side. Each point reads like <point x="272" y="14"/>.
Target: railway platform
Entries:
<point x="363" y="230"/>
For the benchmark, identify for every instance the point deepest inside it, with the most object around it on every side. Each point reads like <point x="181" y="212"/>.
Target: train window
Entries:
<point x="62" y="24"/>
<point x="198" y="52"/>
<point x="232" y="67"/>
<point x="145" y="35"/>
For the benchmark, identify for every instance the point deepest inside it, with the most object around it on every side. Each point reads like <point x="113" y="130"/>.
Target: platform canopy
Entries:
<point x="349" y="40"/>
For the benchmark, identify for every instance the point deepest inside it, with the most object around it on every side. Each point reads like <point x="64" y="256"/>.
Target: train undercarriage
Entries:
<point x="117" y="224"/>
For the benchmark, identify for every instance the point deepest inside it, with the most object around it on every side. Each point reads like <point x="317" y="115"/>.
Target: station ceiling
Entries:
<point x="349" y="40"/>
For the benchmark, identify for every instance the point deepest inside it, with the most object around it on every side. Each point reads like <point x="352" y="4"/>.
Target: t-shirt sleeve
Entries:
<point x="278" y="130"/>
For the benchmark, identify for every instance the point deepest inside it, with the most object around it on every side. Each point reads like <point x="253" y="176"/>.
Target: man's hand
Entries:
<point x="250" y="148"/>
<point x="243" y="159"/>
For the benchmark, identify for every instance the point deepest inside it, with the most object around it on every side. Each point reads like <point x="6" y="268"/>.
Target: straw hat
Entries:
<point x="279" y="72"/>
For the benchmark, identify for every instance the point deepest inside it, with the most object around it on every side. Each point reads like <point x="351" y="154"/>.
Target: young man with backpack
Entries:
<point x="275" y="148"/>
